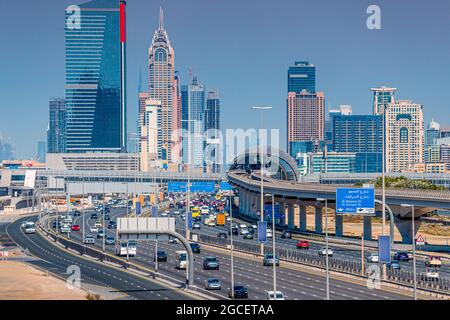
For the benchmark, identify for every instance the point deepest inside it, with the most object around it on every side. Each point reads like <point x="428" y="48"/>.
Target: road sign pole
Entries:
<point x="231" y="251"/>
<point x="414" y="252"/>
<point x="362" y="253"/>
<point x="326" y="248"/>
<point x="274" y="248"/>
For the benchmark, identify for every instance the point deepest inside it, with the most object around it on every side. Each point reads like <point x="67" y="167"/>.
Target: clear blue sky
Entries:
<point x="241" y="48"/>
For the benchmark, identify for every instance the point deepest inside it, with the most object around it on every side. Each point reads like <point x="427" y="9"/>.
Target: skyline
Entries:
<point x="241" y="53"/>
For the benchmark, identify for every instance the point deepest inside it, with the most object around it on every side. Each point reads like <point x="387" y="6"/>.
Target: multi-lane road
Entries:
<point x="57" y="260"/>
<point x="295" y="283"/>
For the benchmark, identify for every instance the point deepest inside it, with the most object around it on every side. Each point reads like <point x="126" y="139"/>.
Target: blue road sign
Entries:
<point x="262" y="231"/>
<point x="189" y="217"/>
<point x="154" y="212"/>
<point x="225" y="186"/>
<point x="384" y="249"/>
<point x="268" y="211"/>
<point x="138" y="208"/>
<point x="177" y="186"/>
<point x="204" y="187"/>
<point x="355" y="200"/>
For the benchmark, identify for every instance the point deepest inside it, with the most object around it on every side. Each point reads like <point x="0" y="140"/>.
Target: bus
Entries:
<point x="195" y="212"/>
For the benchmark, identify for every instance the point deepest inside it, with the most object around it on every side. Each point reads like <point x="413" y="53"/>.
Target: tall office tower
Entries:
<point x="6" y="150"/>
<point x="212" y="130"/>
<point x="302" y="76"/>
<point x="150" y="133"/>
<point x="143" y="96"/>
<point x="345" y="110"/>
<point x="161" y="82"/>
<point x="41" y="151"/>
<point x="176" y="130"/>
<point x="405" y="137"/>
<point x="192" y="122"/>
<point x="95" y="78"/>
<point x="212" y="111"/>
<point x="56" y="126"/>
<point x="445" y="132"/>
<point x="382" y="97"/>
<point x="305" y="117"/>
<point x="432" y="133"/>
<point x="362" y="135"/>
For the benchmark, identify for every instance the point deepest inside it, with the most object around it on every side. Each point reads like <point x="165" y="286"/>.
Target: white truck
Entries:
<point x="181" y="259"/>
<point x="126" y="248"/>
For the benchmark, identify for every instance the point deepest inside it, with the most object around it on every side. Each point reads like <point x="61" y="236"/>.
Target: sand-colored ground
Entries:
<point x="20" y="281"/>
<point x="353" y="226"/>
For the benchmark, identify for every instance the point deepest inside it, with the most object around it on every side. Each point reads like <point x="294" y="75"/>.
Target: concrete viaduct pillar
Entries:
<point x="404" y="226"/>
<point x="339" y="225"/>
<point x="367" y="225"/>
<point x="318" y="219"/>
<point x="303" y="220"/>
<point x="282" y="214"/>
<point x="291" y="216"/>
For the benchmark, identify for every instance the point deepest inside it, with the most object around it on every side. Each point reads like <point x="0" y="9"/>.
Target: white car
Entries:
<point x="30" y="229"/>
<point x="65" y="229"/>
<point x="176" y="212"/>
<point x="89" y="239"/>
<point x="323" y="252"/>
<point x="373" y="258"/>
<point x="244" y="231"/>
<point x="278" y="295"/>
<point x="269" y="234"/>
<point x="243" y="226"/>
<point x="94" y="229"/>
<point x="254" y="226"/>
<point x="164" y="214"/>
<point x="432" y="274"/>
<point x="98" y="224"/>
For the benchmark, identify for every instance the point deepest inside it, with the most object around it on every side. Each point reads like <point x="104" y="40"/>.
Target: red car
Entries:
<point x="302" y="244"/>
<point x="75" y="227"/>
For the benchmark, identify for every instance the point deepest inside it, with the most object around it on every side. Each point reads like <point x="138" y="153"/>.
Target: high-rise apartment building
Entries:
<point x="305" y="116"/>
<point x="56" y="126"/>
<point x="405" y="137"/>
<point x="161" y="85"/>
<point x="95" y="78"/>
<point x="382" y="97"/>
<point x="150" y="131"/>
<point x="362" y="135"/>
<point x="192" y="122"/>
<point x="301" y="76"/>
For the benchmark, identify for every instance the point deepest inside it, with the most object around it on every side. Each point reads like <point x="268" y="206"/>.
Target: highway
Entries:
<point x="295" y="284"/>
<point x="57" y="260"/>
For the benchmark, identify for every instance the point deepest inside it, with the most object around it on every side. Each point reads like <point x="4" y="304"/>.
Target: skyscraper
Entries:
<point x="56" y="126"/>
<point x="382" y="97"/>
<point x="95" y="78"/>
<point x="362" y="135"/>
<point x="41" y="151"/>
<point x="176" y="133"/>
<point x="405" y="136"/>
<point x="305" y="116"/>
<point x="150" y="133"/>
<point x="432" y="133"/>
<point x="161" y="85"/>
<point x="192" y="121"/>
<point x="212" y="111"/>
<point x="302" y="76"/>
<point x="212" y="130"/>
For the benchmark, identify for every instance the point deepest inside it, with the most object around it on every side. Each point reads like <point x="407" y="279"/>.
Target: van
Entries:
<point x="181" y="259"/>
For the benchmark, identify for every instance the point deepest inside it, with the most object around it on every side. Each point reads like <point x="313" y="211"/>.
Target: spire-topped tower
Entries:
<point x="161" y="18"/>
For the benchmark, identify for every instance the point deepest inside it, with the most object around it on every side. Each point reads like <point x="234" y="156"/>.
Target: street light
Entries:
<point x="413" y="236"/>
<point x="273" y="246"/>
<point x="261" y="157"/>
<point x="231" y="247"/>
<point x="326" y="247"/>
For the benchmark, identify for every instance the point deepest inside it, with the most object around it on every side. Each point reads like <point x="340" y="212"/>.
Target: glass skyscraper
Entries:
<point x="95" y="78"/>
<point x="56" y="125"/>
<point x="192" y="111"/>
<point x="432" y="133"/>
<point x="212" y="112"/>
<point x="363" y="135"/>
<point x="382" y="97"/>
<point x="302" y="76"/>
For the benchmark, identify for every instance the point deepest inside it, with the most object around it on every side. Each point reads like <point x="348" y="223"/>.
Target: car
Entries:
<point x="268" y="260"/>
<point x="243" y="231"/>
<point x="285" y="235"/>
<point x="393" y="265"/>
<point x="250" y="229"/>
<point x="75" y="227"/>
<point x="431" y="274"/>
<point x="174" y="241"/>
<point x="373" y="258"/>
<point x="196" y="226"/>
<point x="211" y="263"/>
<point x="65" y="228"/>
<point x="213" y="284"/>
<point x="239" y="292"/>
<point x="56" y="224"/>
<point x="277" y="295"/>
<point x="164" y="214"/>
<point x="402" y="256"/>
<point x="94" y="216"/>
<point x="94" y="229"/>
<point x="161" y="255"/>
<point x="248" y="236"/>
<point x="100" y="234"/>
<point x="107" y="217"/>
<point x="234" y="230"/>
<point x="110" y="240"/>
<point x="89" y="239"/>
<point x="222" y="235"/>
<point x="323" y="252"/>
<point x="30" y="229"/>
<point x="76" y="213"/>
<point x="302" y="244"/>
<point x="198" y="219"/>
<point x="112" y="225"/>
<point x="171" y="206"/>
<point x="255" y="226"/>
<point x="269" y="233"/>
<point x="433" y="261"/>
<point x="242" y="226"/>
<point x="195" y="247"/>
<point x="98" y="224"/>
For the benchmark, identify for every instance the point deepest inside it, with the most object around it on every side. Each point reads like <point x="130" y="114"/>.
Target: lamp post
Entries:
<point x="326" y="247"/>
<point x="231" y="247"/>
<point x="273" y="246"/>
<point x="261" y="160"/>
<point x="413" y="236"/>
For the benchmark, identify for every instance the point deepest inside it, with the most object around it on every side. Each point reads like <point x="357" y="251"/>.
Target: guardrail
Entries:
<point x="400" y="277"/>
